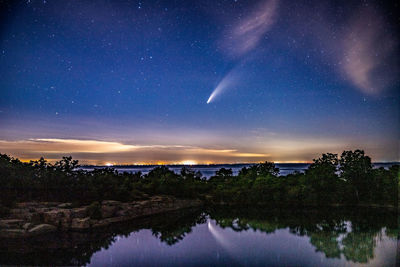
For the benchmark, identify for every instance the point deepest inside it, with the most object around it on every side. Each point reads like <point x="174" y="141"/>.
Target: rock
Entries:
<point x="22" y="214"/>
<point x="109" y="208"/>
<point x="30" y="218"/>
<point x="79" y="212"/>
<point x="65" y="205"/>
<point x="78" y="223"/>
<point x="37" y="217"/>
<point x="28" y="205"/>
<point x="42" y="229"/>
<point x="111" y="203"/>
<point x="26" y="226"/>
<point x="108" y="211"/>
<point x="58" y="217"/>
<point x="12" y="233"/>
<point x="122" y="212"/>
<point x="11" y="223"/>
<point x="4" y="225"/>
<point x="108" y="221"/>
<point x="50" y="204"/>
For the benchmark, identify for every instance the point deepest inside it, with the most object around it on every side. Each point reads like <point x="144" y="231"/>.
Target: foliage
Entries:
<point x="348" y="180"/>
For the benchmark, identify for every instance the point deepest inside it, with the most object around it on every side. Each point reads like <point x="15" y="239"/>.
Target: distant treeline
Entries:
<point x="348" y="180"/>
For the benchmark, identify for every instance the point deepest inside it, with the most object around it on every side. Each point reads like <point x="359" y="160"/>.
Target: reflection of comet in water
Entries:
<point x="228" y="81"/>
<point x="227" y="245"/>
<point x="218" y="236"/>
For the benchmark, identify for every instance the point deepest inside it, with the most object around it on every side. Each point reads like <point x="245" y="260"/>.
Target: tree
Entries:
<point x="189" y="174"/>
<point x="224" y="173"/>
<point x="356" y="169"/>
<point x="321" y="178"/>
<point x="267" y="168"/>
<point x="67" y="165"/>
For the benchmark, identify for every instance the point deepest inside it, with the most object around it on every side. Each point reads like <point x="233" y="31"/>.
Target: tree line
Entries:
<point x="346" y="180"/>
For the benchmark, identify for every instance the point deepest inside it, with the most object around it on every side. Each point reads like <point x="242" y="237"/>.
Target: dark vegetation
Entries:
<point x="348" y="180"/>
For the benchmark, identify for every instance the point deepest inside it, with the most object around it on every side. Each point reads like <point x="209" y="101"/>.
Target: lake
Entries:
<point x="209" y="170"/>
<point x="223" y="237"/>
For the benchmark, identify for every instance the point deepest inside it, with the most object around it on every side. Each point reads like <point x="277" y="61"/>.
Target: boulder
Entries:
<point x="65" y="205"/>
<point x="122" y="212"/>
<point x="50" y="204"/>
<point x="109" y="208"/>
<point x="42" y="229"/>
<point x="78" y="223"/>
<point x="12" y="233"/>
<point x="79" y="212"/>
<point x="58" y="217"/>
<point x="27" y="226"/>
<point x="28" y="205"/>
<point x="23" y="214"/>
<point x="37" y="217"/>
<point x="111" y="203"/>
<point x="11" y="223"/>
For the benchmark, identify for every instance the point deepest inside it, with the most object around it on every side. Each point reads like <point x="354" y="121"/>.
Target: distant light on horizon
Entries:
<point x="188" y="162"/>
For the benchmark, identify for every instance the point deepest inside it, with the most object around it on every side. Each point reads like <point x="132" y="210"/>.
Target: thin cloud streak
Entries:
<point x="256" y="148"/>
<point x="368" y="52"/>
<point x="95" y="150"/>
<point x="244" y="37"/>
<point x="247" y="33"/>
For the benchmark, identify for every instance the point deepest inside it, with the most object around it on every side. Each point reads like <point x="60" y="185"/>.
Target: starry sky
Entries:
<point x="133" y="82"/>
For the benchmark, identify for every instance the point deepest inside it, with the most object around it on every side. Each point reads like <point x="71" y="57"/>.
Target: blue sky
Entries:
<point x="132" y="78"/>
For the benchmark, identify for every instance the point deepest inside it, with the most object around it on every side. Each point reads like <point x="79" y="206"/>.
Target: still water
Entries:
<point x="222" y="237"/>
<point x="209" y="170"/>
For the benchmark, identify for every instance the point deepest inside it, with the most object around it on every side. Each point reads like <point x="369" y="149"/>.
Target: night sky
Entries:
<point x="198" y="81"/>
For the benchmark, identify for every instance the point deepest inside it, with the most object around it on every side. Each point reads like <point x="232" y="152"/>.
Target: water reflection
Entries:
<point x="222" y="236"/>
<point x="352" y="234"/>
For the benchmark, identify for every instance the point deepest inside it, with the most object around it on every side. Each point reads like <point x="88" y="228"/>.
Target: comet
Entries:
<point x="228" y="81"/>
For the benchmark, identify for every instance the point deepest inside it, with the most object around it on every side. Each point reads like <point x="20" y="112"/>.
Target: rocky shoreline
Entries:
<point x="36" y="218"/>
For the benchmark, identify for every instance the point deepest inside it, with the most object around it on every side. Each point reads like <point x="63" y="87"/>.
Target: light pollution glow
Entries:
<point x="100" y="152"/>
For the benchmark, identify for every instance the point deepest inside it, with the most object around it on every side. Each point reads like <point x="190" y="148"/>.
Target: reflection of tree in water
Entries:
<point x="174" y="229"/>
<point x="76" y="249"/>
<point x="329" y="232"/>
<point x="326" y="242"/>
<point x="359" y="247"/>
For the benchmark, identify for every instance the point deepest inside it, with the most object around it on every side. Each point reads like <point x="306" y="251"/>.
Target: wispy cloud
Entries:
<point x="243" y="37"/>
<point x="256" y="147"/>
<point x="246" y="34"/>
<point x="55" y="145"/>
<point x="359" y="43"/>
<point x="369" y="52"/>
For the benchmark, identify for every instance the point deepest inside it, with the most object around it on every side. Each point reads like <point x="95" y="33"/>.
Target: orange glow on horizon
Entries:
<point x="188" y="162"/>
<point x="152" y="163"/>
<point x="107" y="153"/>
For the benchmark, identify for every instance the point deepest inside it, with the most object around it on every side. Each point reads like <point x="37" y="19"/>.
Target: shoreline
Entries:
<point x="29" y="219"/>
<point x="36" y="218"/>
